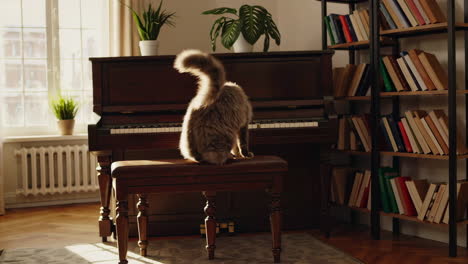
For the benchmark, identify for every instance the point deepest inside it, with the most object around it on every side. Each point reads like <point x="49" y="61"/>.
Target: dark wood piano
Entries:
<point x="141" y="101"/>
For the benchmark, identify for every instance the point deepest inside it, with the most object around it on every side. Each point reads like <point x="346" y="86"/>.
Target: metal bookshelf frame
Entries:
<point x="374" y="52"/>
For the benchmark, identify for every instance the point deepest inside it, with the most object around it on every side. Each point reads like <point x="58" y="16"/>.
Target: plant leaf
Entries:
<point x="253" y="21"/>
<point x="231" y="33"/>
<point x="220" y="11"/>
<point x="216" y="30"/>
<point x="272" y="29"/>
<point x="266" y="43"/>
<point x="141" y="29"/>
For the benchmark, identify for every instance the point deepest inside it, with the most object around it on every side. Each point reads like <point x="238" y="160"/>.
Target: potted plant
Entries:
<point x="149" y="25"/>
<point x="65" y="110"/>
<point x="244" y="30"/>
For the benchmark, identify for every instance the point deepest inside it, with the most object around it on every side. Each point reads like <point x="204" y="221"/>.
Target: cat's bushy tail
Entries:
<point x="207" y="68"/>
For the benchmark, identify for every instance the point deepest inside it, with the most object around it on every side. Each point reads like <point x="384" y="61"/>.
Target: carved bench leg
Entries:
<point x="275" y="221"/>
<point x="122" y="230"/>
<point x="210" y="223"/>
<point x="142" y="223"/>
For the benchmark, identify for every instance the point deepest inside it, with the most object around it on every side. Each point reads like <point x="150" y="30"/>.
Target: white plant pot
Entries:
<point x="241" y="45"/>
<point x="149" y="47"/>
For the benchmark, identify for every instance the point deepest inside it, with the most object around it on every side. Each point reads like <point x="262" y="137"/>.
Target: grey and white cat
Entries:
<point x="215" y="125"/>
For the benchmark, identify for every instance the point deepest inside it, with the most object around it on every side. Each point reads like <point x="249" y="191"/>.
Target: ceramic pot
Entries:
<point x="66" y="126"/>
<point x="149" y="47"/>
<point x="241" y="45"/>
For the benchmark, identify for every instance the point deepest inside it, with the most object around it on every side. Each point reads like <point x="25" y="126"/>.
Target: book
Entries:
<point x="433" y="11"/>
<point x="396" y="134"/>
<point x="387" y="16"/>
<point x="390" y="173"/>
<point x="421" y="11"/>
<point x="435" y="131"/>
<point x="398" y="196"/>
<point x="361" y="131"/>
<point x="409" y="15"/>
<point x="384" y="196"/>
<point x="431" y="136"/>
<point x="433" y="187"/>
<point x="354" y="141"/>
<point x="434" y="69"/>
<point x="417" y="190"/>
<point x="357" y="78"/>
<point x="336" y="24"/>
<point x="355" y="189"/>
<point x="399" y="74"/>
<point x="329" y="30"/>
<point x="409" y="132"/>
<point x="435" y="115"/>
<point x="340" y="178"/>
<point x="364" y="84"/>
<point x="414" y="72"/>
<point x="405" y="138"/>
<point x="443" y="120"/>
<point x="345" y="80"/>
<point x="413" y="54"/>
<point x="415" y="128"/>
<point x="442" y="206"/>
<point x="393" y="11"/>
<point x="436" y="204"/>
<point x="400" y="14"/>
<point x="462" y="199"/>
<point x="418" y="115"/>
<point x="415" y="11"/>
<point x="357" y="29"/>
<point x="407" y="74"/>
<point x="351" y="28"/>
<point x="431" y="204"/>
<point x="362" y="189"/>
<point x="360" y="24"/>
<point x="388" y="84"/>
<point x="388" y="134"/>
<point x="343" y="134"/>
<point x="407" y="203"/>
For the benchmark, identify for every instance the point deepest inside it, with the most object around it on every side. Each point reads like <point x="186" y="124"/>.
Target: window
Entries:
<point x="44" y="50"/>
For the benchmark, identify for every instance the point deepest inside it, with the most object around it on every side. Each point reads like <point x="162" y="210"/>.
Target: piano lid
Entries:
<point x="150" y="83"/>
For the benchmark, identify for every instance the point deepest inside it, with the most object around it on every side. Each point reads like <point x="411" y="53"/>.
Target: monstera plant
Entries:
<point x="249" y="24"/>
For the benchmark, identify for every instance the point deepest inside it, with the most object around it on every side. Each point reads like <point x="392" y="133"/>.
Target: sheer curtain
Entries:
<point x="123" y="35"/>
<point x="2" y="200"/>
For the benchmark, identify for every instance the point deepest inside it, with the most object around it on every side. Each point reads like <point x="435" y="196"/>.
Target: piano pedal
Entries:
<point x="221" y="228"/>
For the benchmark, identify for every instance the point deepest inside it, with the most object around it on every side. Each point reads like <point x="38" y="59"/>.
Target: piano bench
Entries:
<point x="145" y="176"/>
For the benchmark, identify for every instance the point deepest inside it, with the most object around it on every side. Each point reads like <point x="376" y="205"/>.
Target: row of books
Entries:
<point x="348" y="28"/>
<point x="350" y="187"/>
<point x="419" y="132"/>
<point x="351" y="80"/>
<point x="410" y="13"/>
<point x="354" y="133"/>
<point x="427" y="201"/>
<point x="414" y="70"/>
<point x="399" y="195"/>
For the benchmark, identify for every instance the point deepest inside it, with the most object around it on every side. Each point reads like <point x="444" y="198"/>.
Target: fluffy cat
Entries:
<point x="215" y="125"/>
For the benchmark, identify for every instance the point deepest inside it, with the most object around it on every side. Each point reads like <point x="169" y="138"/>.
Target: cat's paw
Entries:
<point x="248" y="155"/>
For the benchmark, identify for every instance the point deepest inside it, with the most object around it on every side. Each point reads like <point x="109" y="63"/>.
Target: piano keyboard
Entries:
<point x="177" y="127"/>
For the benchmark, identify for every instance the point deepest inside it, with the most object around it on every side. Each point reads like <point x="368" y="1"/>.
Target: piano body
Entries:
<point x="141" y="101"/>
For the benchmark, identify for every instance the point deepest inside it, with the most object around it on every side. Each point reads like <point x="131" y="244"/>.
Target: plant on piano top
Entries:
<point x="149" y="25"/>
<point x="65" y="110"/>
<point x="249" y="24"/>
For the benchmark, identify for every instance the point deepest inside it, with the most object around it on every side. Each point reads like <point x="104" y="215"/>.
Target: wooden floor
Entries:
<point x="67" y="225"/>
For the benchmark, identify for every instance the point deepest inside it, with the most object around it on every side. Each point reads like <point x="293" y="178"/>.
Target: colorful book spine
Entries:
<point x="405" y="137"/>
<point x="387" y="16"/>
<point x="329" y="30"/>
<point x="388" y="84"/>
<point x="351" y="28"/>
<point x="345" y="27"/>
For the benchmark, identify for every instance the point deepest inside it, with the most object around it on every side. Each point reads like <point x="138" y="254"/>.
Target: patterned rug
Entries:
<point x="299" y="248"/>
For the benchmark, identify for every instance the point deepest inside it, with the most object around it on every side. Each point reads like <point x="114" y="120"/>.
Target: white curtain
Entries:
<point x="2" y="177"/>
<point x="123" y="35"/>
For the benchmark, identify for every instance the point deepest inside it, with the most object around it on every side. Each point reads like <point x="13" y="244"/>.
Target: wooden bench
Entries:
<point x="144" y="176"/>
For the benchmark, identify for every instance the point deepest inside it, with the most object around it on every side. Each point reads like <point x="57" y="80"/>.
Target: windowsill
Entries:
<point x="42" y="138"/>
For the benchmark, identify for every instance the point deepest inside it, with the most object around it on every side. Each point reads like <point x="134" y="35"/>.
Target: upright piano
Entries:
<point x="142" y="100"/>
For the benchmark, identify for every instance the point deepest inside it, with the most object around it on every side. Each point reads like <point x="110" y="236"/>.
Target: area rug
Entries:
<point x="298" y="248"/>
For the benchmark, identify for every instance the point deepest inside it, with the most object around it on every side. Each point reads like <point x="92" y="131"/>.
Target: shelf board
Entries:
<point x="353" y="98"/>
<point x="403" y="217"/>
<point x="360" y="45"/>
<point x="404" y="154"/>
<point x="437" y="92"/>
<point x="344" y="1"/>
<point x="420" y="156"/>
<point x="421" y="30"/>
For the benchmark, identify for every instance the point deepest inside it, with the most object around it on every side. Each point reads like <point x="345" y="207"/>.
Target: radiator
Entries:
<point x="56" y="169"/>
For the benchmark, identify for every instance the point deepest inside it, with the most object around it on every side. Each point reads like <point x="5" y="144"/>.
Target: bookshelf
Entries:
<point x="373" y="45"/>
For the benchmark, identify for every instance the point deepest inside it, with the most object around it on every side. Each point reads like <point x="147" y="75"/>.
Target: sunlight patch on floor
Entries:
<point x="104" y="254"/>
